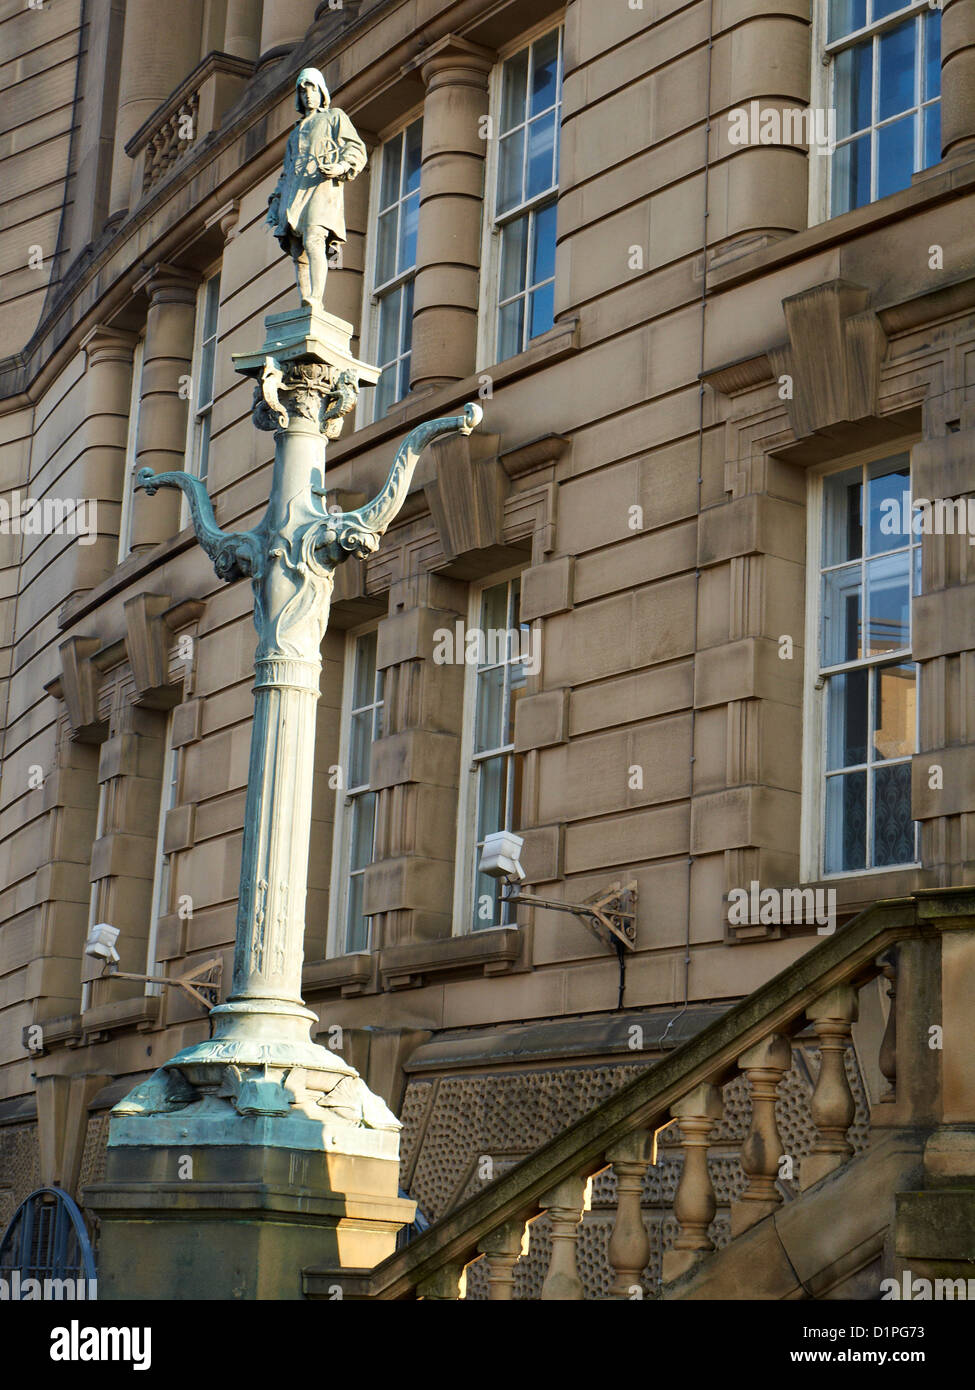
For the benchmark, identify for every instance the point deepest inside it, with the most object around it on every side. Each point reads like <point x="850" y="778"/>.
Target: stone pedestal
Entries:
<point x="257" y="1152"/>
<point x="247" y="1220"/>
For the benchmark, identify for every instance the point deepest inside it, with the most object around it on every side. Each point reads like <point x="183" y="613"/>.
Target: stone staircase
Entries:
<point x="895" y="1193"/>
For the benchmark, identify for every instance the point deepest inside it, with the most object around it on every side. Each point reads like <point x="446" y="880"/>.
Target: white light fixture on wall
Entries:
<point x="203" y="977"/>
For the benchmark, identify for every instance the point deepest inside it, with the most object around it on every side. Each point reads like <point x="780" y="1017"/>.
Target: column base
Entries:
<point x="187" y="1221"/>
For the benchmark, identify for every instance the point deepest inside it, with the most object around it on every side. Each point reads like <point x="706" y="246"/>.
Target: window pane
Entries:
<point x="406" y="317"/>
<point x="510" y="329"/>
<point x="364" y="685"/>
<point x="541" y="149"/>
<point x="852" y="89"/>
<point x="205" y="390"/>
<point x="392" y="160"/>
<point x="386" y="247"/>
<point x="845" y="17"/>
<point x="414" y="151"/>
<point x="889" y="521"/>
<point x="842" y="618"/>
<point x="894" y="715"/>
<point x="514" y="86"/>
<point x="494" y="608"/>
<point x="357" y="926"/>
<point x="490" y="700"/>
<point x="389" y="329"/>
<point x="932" y="135"/>
<point x="360" y="748"/>
<point x="843" y="499"/>
<point x="895" y="156"/>
<point x="846" y="719"/>
<point x="846" y="822"/>
<point x="893" y="829"/>
<point x="543" y="245"/>
<point x="519" y="682"/>
<point x="889" y="604"/>
<point x="387" y="391"/>
<point x="409" y="221"/>
<point x="545" y="73"/>
<point x="542" y="311"/>
<point x="882" y="8"/>
<point x="896" y="77"/>
<point x="211" y="305"/>
<point x="514" y="251"/>
<point x="487" y="902"/>
<point x="363" y="830"/>
<point x="851" y="176"/>
<point x="932" y="54"/>
<point x="490" y="796"/>
<point x="203" y="457"/>
<point x="511" y="162"/>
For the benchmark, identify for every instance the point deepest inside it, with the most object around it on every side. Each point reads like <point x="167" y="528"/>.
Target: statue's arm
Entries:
<point x="351" y="148"/>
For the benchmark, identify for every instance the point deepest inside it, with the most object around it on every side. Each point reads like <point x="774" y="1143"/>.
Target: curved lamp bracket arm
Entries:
<point x="234" y="553"/>
<point x="358" y="533"/>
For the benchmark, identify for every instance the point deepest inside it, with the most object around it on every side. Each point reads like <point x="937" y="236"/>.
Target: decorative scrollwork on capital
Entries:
<point x="304" y="390"/>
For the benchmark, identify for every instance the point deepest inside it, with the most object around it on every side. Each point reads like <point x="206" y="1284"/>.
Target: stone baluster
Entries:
<point x="833" y="1107"/>
<point x="764" y="1064"/>
<point x="695" y="1202"/>
<point x="443" y="1284"/>
<point x="887" y="1061"/>
<point x="564" y="1204"/>
<point x="629" y="1244"/>
<point x="502" y="1250"/>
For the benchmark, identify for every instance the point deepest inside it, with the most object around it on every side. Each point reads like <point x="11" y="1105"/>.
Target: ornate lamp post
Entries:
<point x="274" y="1145"/>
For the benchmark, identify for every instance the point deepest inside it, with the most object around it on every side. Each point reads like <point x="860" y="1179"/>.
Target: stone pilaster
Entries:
<point x="414" y="765"/>
<point x="168" y="356"/>
<point x="957" y="78"/>
<point x="448" y="251"/>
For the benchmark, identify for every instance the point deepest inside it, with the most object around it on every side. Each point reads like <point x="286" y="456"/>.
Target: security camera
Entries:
<point x="101" y="942"/>
<point x="501" y="856"/>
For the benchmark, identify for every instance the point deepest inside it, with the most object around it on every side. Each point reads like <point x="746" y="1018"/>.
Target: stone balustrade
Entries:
<point x="679" y="1101"/>
<point x="194" y="110"/>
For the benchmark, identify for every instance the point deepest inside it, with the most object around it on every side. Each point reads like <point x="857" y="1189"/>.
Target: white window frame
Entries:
<point x="824" y="53"/>
<point x="487" y="314"/>
<point x="369" y="336"/>
<point x="162" y="864"/>
<point x="812" y="855"/>
<point x="339" y="880"/>
<point x="464" y="878"/>
<point x="101" y="815"/>
<point x="197" y="413"/>
<point x="131" y="443"/>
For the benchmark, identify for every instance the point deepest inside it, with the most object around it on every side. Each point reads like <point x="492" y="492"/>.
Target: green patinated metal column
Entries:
<point x="260" y="1093"/>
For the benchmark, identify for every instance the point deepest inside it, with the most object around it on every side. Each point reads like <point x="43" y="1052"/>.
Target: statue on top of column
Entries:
<point x="306" y="211"/>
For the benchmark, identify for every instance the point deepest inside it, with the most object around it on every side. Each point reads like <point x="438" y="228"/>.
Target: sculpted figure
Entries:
<point x="306" y="211"/>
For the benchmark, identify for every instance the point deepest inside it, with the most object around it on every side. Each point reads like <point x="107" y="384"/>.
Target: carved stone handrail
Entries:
<point x="848" y="958"/>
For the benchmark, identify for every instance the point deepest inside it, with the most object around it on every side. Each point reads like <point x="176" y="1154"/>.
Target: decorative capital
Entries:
<point x="310" y="391"/>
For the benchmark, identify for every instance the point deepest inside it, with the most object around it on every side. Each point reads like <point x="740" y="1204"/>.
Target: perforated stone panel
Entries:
<point x="19" y="1167"/>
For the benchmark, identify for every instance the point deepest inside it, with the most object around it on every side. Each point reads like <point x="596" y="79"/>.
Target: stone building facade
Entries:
<point x="711" y="353"/>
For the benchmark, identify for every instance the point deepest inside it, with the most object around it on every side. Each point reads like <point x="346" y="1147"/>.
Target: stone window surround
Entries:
<point x="140" y="668"/>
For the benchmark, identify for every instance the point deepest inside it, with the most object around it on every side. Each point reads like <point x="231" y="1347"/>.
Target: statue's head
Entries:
<point x="310" y="77"/>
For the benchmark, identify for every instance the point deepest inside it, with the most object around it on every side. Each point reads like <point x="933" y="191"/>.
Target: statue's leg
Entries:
<point x="301" y="271"/>
<point x="316" y="249"/>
